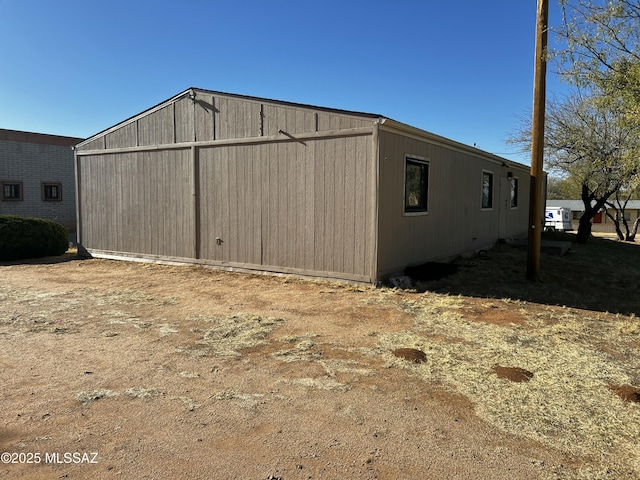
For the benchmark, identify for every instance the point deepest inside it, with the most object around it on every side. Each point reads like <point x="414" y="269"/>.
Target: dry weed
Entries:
<point x="229" y="334"/>
<point x="141" y="392"/>
<point x="567" y="404"/>
<point x="89" y="397"/>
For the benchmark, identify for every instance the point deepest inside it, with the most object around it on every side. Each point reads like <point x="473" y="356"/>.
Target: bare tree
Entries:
<point x="590" y="142"/>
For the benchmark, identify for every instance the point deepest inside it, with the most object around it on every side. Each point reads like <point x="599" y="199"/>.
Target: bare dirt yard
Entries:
<point x="129" y="370"/>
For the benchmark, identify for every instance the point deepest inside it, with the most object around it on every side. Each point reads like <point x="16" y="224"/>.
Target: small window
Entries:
<point x="416" y="183"/>
<point x="11" y="191"/>
<point x="51" y="192"/>
<point x="487" y="190"/>
<point x="514" y="192"/>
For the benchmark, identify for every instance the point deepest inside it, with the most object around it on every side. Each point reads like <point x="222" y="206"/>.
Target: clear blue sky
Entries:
<point x="458" y="68"/>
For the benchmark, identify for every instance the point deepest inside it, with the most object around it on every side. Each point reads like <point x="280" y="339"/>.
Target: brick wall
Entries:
<point x="34" y="162"/>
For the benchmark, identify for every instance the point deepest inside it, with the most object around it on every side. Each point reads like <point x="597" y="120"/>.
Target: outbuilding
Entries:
<point x="247" y="183"/>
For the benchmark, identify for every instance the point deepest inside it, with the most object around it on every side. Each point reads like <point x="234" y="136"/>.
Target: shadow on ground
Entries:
<point x="602" y="275"/>
<point x="70" y="256"/>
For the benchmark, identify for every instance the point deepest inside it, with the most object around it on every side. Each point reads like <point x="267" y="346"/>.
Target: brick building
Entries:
<point x="37" y="176"/>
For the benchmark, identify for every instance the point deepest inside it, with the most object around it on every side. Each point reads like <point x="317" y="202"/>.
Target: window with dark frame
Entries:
<point x="12" y="191"/>
<point x="514" y="192"/>
<point x="416" y="183"/>
<point x="487" y="190"/>
<point x="51" y="192"/>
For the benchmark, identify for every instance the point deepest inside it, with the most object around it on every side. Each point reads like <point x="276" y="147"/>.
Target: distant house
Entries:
<point x="600" y="222"/>
<point x="37" y="176"/>
<point x="254" y="184"/>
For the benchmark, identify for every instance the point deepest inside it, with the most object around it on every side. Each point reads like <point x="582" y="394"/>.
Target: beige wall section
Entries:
<point x="213" y="116"/>
<point x="304" y="207"/>
<point x="455" y="222"/>
<point x="139" y="202"/>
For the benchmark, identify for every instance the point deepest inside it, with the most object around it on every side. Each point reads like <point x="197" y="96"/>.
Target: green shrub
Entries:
<point x="31" y="238"/>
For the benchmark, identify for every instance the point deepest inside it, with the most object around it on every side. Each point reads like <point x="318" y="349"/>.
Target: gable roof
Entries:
<point x="386" y="122"/>
<point x="192" y="90"/>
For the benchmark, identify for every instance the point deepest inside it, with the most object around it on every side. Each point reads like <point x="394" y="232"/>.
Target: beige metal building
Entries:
<point x="253" y="184"/>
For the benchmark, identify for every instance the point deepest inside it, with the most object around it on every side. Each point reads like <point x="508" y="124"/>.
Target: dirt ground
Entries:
<point x="128" y="370"/>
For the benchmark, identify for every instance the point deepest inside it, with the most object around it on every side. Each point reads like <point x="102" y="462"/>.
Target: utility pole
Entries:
<point x="537" y="143"/>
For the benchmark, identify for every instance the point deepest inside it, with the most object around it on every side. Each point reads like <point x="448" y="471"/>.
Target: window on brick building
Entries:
<point x="11" y="191"/>
<point x="51" y="192"/>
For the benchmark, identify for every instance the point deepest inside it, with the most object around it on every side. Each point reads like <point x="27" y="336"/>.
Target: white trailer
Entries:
<point x="558" y="218"/>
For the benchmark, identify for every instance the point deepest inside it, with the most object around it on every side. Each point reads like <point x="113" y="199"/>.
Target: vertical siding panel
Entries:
<point x="292" y="202"/>
<point x="328" y="263"/>
<point x="156" y="208"/>
<point x="206" y="203"/>
<point x="339" y="204"/>
<point x="319" y="199"/>
<point x="271" y="240"/>
<point x="161" y="186"/>
<point x="361" y="205"/>
<point x="183" y="209"/>
<point x="218" y="104"/>
<point x="217" y="219"/>
<point x="149" y="202"/>
<point x="266" y="201"/>
<point x="300" y="205"/>
<point x="235" y="210"/>
<point x="117" y="174"/>
<point x="226" y="117"/>
<point x="204" y="118"/>
<point x="238" y="118"/>
<point x="124" y="136"/>
<point x="184" y="120"/>
<point x="255" y="205"/>
<point x="87" y="200"/>
<point x="286" y="221"/>
<point x="110" y="178"/>
<point x="134" y="186"/>
<point x="368" y="205"/>
<point x="349" y="202"/>
<point x="104" y="224"/>
<point x="157" y="217"/>
<point x="308" y="182"/>
<point x="227" y="204"/>
<point x="170" y="194"/>
<point x="157" y="128"/>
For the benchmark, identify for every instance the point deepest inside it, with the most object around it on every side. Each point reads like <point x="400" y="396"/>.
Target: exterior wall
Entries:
<point x="236" y="183"/>
<point x="302" y="208"/>
<point x="33" y="158"/>
<point x="455" y="222"/>
<point x="139" y="203"/>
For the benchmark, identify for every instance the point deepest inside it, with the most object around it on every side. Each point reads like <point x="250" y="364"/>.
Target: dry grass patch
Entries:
<point x="227" y="335"/>
<point x="566" y="402"/>
<point x="141" y="392"/>
<point x="87" y="397"/>
<point x="244" y="400"/>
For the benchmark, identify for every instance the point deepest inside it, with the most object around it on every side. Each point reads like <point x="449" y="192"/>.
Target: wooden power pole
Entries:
<point x="537" y="143"/>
